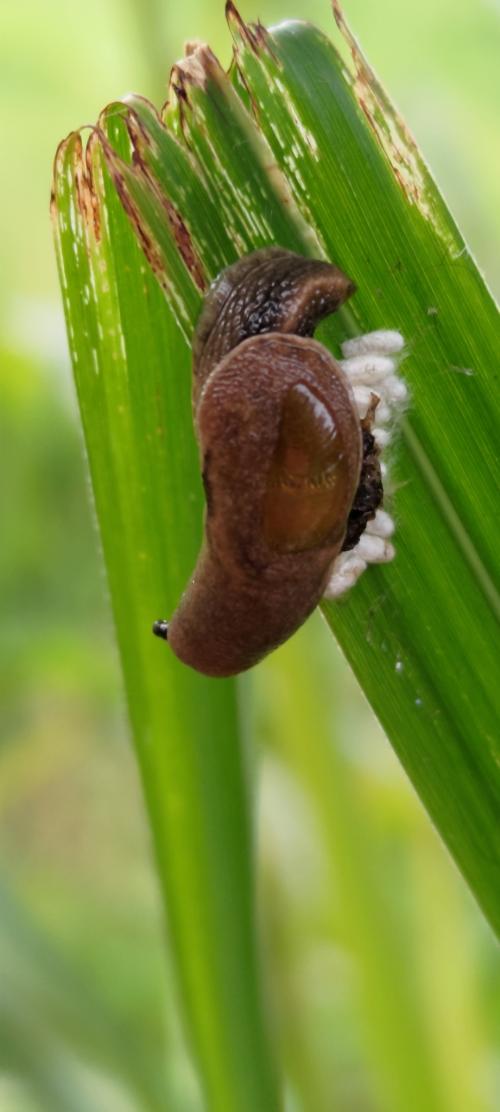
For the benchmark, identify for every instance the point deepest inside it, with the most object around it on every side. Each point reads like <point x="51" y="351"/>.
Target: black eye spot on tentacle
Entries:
<point x="160" y="629"/>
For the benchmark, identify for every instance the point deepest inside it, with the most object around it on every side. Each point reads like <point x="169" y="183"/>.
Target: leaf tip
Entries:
<point x="196" y="68"/>
<point x="253" y="35"/>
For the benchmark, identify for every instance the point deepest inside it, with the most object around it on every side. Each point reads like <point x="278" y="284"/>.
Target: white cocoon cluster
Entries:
<point x="370" y="363"/>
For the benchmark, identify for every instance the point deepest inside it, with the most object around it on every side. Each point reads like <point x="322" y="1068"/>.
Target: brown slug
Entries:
<point x="282" y="449"/>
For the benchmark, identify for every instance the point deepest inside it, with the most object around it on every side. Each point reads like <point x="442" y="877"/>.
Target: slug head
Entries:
<point x="271" y="290"/>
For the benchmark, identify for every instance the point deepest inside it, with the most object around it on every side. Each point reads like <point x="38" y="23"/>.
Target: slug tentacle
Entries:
<point x="289" y="442"/>
<point x="160" y="629"/>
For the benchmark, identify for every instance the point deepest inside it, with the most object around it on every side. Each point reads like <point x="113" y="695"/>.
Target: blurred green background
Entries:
<point x="384" y="978"/>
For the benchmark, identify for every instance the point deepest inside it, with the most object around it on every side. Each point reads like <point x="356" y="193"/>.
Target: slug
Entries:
<point x="290" y="470"/>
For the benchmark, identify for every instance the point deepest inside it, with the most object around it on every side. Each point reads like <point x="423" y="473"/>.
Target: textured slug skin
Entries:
<point x="281" y="452"/>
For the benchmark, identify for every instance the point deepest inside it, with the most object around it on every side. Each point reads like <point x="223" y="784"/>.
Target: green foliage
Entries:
<point x="126" y="344"/>
<point x="282" y="153"/>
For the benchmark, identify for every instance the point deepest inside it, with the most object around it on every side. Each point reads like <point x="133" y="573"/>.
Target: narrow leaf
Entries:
<point x="132" y="371"/>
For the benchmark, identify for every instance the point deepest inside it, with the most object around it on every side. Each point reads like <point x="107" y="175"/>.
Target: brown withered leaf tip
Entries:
<point x="371" y="96"/>
<point x="194" y="70"/>
<point x="82" y="179"/>
<point x="185" y="245"/>
<point x="254" y="34"/>
<point x="198" y="65"/>
<point x="179" y="228"/>
<point x="85" y="192"/>
<point x="139" y="135"/>
<point x="151" y="252"/>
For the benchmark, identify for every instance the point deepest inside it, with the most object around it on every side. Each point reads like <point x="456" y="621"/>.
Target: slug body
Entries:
<point x="281" y="445"/>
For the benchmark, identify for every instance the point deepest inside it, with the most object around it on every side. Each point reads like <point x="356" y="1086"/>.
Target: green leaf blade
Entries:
<point x="132" y="369"/>
<point x="419" y="633"/>
<point x="287" y="150"/>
